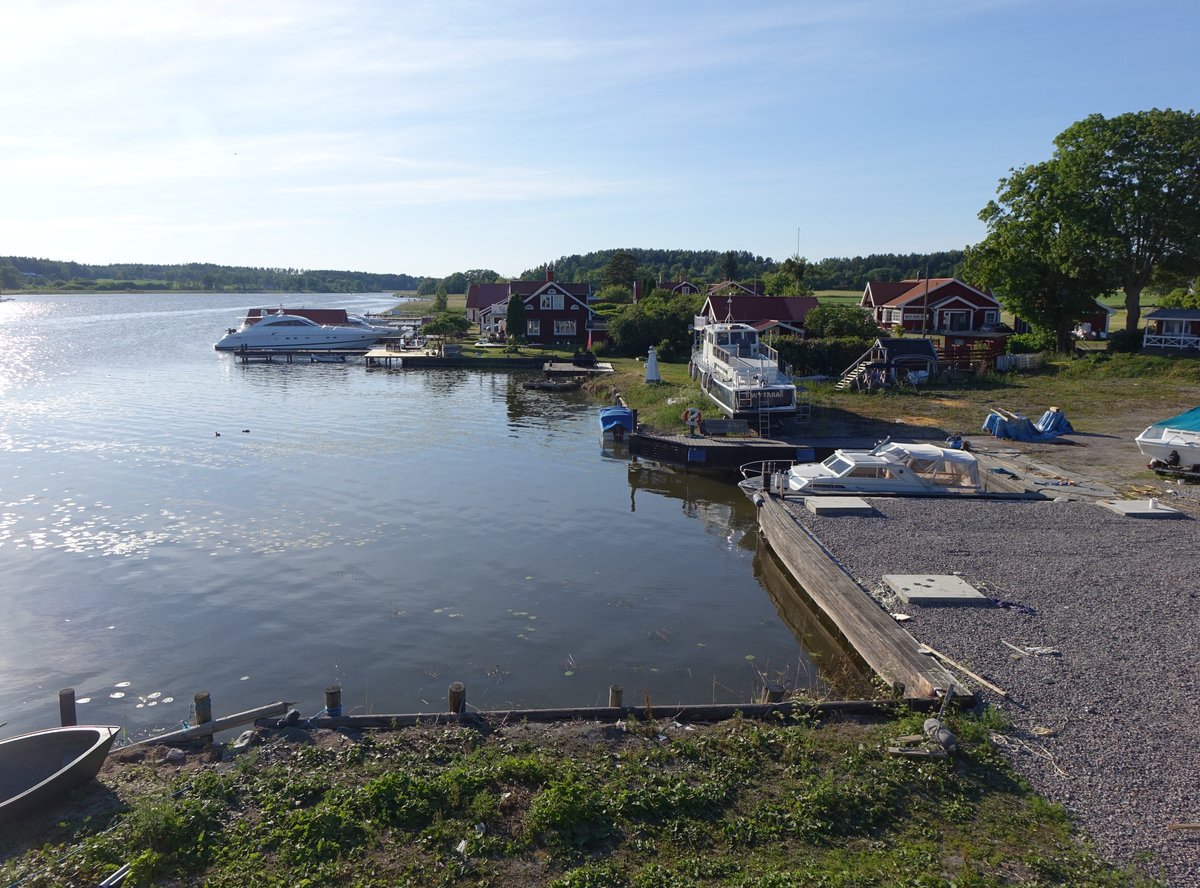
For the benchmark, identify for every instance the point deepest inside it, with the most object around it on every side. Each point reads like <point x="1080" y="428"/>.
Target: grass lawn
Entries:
<point x="639" y="805"/>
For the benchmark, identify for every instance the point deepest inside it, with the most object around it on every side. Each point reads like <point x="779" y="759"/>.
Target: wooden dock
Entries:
<point x="890" y="651"/>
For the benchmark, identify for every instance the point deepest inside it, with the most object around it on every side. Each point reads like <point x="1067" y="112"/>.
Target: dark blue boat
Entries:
<point x="616" y="422"/>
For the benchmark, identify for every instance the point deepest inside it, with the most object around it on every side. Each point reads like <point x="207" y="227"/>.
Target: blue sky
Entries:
<point x="430" y="137"/>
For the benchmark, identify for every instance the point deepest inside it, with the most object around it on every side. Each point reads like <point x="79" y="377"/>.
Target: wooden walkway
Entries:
<point x="890" y="651"/>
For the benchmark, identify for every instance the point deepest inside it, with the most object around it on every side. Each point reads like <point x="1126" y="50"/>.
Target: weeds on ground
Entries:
<point x="738" y="803"/>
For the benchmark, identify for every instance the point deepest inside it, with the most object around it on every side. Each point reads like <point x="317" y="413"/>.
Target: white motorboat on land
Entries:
<point x="740" y="374"/>
<point x="285" y="332"/>
<point x="890" y="468"/>
<point x="1173" y="443"/>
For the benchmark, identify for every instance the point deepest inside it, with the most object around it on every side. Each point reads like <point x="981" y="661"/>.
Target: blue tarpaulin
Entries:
<point x="1016" y="427"/>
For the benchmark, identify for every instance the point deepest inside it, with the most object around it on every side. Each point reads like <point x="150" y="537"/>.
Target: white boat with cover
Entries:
<point x="1173" y="443"/>
<point x="888" y="469"/>
<point x="285" y="332"/>
<point x="740" y="374"/>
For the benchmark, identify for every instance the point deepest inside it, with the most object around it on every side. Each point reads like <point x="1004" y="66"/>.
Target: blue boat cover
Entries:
<point x="1188" y="421"/>
<point x="1020" y="428"/>
<point x="611" y="417"/>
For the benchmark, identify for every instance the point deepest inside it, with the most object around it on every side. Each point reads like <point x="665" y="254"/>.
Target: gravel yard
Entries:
<point x="1110" y="727"/>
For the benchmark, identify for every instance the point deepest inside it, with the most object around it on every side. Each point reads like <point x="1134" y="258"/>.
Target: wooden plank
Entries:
<point x="887" y="648"/>
<point x="213" y="727"/>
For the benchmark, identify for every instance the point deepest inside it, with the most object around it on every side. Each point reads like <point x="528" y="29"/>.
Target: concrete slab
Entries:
<point x="1150" y="508"/>
<point x="934" y="589"/>
<point x="838" y="505"/>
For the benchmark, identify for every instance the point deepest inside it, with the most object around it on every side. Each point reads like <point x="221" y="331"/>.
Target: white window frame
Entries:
<point x="552" y="301"/>
<point x="533" y="327"/>
<point x="564" y="328"/>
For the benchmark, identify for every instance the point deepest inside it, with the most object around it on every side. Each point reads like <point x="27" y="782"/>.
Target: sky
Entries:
<point x="404" y="136"/>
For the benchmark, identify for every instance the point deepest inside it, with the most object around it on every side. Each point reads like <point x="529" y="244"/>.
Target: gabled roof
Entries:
<point x="528" y="288"/>
<point x="894" y="294"/>
<point x="754" y="309"/>
<point x="482" y="295"/>
<point x="879" y="292"/>
<point x="1174" y="314"/>
<point x="753" y="289"/>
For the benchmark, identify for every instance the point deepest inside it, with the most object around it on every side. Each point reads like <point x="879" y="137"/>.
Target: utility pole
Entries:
<point x="925" y="305"/>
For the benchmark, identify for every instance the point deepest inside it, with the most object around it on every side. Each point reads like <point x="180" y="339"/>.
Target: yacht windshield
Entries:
<point x="836" y="464"/>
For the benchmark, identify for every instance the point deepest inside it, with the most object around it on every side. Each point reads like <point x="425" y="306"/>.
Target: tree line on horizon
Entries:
<point x="601" y="268"/>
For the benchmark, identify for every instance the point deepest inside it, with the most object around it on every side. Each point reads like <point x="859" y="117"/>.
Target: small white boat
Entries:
<point x="1173" y="443"/>
<point x="888" y="469"/>
<point x="38" y="767"/>
<point x="284" y="332"/>
<point x="738" y="373"/>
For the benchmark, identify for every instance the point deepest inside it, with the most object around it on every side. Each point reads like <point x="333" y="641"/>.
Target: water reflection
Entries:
<point x="840" y="672"/>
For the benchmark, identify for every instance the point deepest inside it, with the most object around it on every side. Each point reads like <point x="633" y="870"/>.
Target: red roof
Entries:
<point x="754" y="309"/>
<point x="882" y="291"/>
<point x="480" y="296"/>
<point x="918" y="289"/>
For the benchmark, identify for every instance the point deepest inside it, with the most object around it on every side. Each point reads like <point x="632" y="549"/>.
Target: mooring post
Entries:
<point x="66" y="707"/>
<point x="456" y="696"/>
<point x="615" y="693"/>
<point x="333" y="701"/>
<point x="203" y="708"/>
<point x="772" y="693"/>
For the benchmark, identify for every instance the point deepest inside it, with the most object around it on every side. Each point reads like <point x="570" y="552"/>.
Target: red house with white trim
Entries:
<point x="937" y="306"/>
<point x="556" y="313"/>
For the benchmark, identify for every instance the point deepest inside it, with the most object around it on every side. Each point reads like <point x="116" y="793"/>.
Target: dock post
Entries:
<point x="615" y="693"/>
<point x="456" y="696"/>
<point x="333" y="701"/>
<point x="772" y="693"/>
<point x="203" y="703"/>
<point x="66" y="707"/>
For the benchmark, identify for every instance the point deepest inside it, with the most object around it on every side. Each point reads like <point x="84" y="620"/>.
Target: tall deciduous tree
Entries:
<point x="1034" y="257"/>
<point x="1119" y="197"/>
<point x="1136" y="180"/>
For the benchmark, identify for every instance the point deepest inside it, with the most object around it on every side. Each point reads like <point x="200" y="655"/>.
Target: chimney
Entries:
<point x="549" y="272"/>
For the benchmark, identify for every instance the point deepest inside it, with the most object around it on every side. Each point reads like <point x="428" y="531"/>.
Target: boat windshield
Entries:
<point x="836" y="464"/>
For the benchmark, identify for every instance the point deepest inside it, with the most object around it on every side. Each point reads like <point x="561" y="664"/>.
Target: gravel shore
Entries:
<point x="1110" y="727"/>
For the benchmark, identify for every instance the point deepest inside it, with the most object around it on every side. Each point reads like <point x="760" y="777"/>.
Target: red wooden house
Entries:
<point x="963" y="321"/>
<point x="556" y="313"/>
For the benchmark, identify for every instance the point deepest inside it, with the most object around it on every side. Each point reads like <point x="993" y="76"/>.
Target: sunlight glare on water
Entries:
<point x="177" y="521"/>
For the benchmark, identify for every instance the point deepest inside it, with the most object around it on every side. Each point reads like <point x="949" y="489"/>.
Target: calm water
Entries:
<point x="391" y="531"/>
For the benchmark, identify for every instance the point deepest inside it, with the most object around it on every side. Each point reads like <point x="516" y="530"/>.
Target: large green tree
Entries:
<point x="1035" y="259"/>
<point x="1135" y="179"/>
<point x="1120" y="197"/>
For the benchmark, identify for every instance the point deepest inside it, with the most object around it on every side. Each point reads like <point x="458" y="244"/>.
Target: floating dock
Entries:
<point x="303" y="355"/>
<point x="725" y="454"/>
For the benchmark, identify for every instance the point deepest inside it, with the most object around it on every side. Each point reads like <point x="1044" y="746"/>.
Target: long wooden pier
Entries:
<point x="891" y="652"/>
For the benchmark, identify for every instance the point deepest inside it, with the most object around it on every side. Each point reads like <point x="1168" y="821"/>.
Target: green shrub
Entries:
<point x="1129" y="341"/>
<point x="1032" y="343"/>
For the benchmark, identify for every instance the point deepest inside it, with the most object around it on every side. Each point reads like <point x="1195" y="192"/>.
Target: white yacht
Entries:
<point x="285" y="332"/>
<point x="741" y="375"/>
